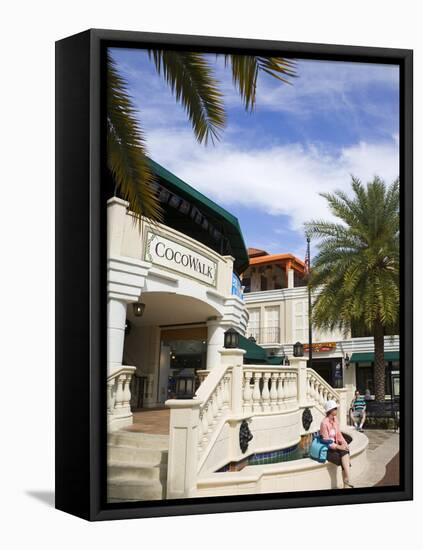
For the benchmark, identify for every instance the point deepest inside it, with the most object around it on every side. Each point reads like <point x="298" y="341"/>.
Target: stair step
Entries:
<point x="137" y="466"/>
<point x="125" y="490"/>
<point x="135" y="455"/>
<point x="136" y="472"/>
<point x="139" y="440"/>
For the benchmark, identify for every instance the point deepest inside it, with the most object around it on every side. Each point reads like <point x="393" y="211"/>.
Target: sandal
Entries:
<point x="347" y="485"/>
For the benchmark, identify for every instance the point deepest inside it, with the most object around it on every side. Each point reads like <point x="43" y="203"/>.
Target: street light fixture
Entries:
<point x="298" y="349"/>
<point x="231" y="339"/>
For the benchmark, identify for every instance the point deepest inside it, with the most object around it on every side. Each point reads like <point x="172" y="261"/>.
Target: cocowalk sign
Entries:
<point x="175" y="256"/>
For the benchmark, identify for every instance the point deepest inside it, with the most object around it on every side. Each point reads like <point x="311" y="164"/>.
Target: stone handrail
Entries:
<point x="214" y="395"/>
<point x="118" y="391"/>
<point x="319" y="391"/>
<point x="230" y="393"/>
<point x="269" y="389"/>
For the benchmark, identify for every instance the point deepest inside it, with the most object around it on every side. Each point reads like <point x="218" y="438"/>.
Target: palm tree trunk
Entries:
<point x="379" y="365"/>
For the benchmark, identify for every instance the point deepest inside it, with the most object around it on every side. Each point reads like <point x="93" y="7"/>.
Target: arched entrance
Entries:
<point x="172" y="338"/>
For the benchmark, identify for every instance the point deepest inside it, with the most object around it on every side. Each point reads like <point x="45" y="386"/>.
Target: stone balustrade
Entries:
<point x="319" y="391"/>
<point x="119" y="397"/>
<point x="213" y="407"/>
<point x="229" y="393"/>
<point x="268" y="389"/>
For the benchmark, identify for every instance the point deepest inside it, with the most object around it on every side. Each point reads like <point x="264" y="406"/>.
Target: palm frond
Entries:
<point x="246" y="68"/>
<point x="357" y="264"/>
<point x="191" y="79"/>
<point x="126" y="153"/>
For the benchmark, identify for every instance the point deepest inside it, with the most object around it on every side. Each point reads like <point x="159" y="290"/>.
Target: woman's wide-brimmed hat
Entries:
<point x="330" y="405"/>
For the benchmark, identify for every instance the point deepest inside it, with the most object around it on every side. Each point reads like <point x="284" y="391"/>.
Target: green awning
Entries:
<point x="275" y="360"/>
<point x="370" y="357"/>
<point x="227" y="221"/>
<point x="255" y="353"/>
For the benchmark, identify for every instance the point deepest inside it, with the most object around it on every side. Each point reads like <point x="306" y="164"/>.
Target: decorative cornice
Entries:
<point x="126" y="278"/>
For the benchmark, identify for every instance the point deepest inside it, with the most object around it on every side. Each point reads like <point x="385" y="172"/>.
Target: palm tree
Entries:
<point x="356" y="270"/>
<point x="191" y="80"/>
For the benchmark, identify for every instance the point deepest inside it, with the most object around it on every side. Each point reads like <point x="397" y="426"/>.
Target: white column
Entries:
<point x="116" y="213"/>
<point x="234" y="358"/>
<point x="215" y="341"/>
<point x="301" y="364"/>
<point x="290" y="278"/>
<point x="116" y="321"/>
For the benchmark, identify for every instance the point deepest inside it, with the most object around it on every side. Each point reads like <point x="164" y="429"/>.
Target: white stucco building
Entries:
<point x="277" y="303"/>
<point x="186" y="288"/>
<point x="173" y="290"/>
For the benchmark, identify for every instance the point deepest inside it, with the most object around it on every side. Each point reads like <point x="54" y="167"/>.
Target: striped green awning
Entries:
<point x="370" y="356"/>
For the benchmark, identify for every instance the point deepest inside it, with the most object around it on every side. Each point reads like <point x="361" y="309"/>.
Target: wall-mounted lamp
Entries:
<point x="298" y="349"/>
<point x="231" y="339"/>
<point x="347" y="360"/>
<point x="138" y="309"/>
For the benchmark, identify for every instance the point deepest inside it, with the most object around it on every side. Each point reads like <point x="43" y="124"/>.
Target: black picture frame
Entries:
<point x="81" y="276"/>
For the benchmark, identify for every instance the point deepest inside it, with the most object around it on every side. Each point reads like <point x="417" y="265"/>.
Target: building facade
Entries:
<point x="278" y="318"/>
<point x="173" y="291"/>
<point x="171" y="295"/>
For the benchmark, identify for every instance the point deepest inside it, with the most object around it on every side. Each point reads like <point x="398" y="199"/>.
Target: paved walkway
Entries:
<point x="382" y="452"/>
<point x="383" y="457"/>
<point x="151" y="421"/>
<point x="392" y="473"/>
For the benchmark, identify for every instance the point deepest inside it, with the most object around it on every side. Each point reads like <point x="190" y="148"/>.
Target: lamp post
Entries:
<point x="310" y="328"/>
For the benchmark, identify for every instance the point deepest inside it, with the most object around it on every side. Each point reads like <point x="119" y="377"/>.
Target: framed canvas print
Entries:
<point x="234" y="274"/>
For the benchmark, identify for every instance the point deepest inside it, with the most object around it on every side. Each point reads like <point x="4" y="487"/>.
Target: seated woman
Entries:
<point x="338" y="452"/>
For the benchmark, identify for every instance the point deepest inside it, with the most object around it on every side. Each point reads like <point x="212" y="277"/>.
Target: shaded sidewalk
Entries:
<point x="391" y="476"/>
<point x="383" y="458"/>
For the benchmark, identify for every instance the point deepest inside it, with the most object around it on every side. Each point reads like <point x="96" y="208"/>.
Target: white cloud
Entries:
<point x="283" y="179"/>
<point x="326" y="86"/>
<point x="266" y="175"/>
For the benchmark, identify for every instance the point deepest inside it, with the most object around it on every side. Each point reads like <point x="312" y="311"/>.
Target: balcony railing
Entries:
<point x="265" y="335"/>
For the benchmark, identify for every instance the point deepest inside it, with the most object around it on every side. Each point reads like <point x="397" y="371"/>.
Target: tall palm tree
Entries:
<point x="190" y="78"/>
<point x="356" y="270"/>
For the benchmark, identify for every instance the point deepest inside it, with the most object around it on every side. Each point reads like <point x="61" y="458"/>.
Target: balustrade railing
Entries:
<point x="265" y="335"/>
<point x="268" y="389"/>
<point x="231" y="392"/>
<point x="319" y="391"/>
<point x="119" y="392"/>
<point x="215" y="396"/>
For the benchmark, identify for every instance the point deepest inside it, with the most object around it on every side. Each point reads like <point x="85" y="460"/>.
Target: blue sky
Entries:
<point x="335" y="120"/>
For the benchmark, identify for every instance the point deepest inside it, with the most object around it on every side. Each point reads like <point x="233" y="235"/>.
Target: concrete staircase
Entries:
<point x="137" y="466"/>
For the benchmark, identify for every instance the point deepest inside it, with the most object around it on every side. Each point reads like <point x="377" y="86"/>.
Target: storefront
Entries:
<point x="364" y="365"/>
<point x="173" y="290"/>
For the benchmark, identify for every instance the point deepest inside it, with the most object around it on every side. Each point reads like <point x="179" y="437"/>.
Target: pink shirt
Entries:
<point x="329" y="429"/>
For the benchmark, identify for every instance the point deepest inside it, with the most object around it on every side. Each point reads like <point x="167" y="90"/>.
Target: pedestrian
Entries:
<point x="358" y="411"/>
<point x="338" y="452"/>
